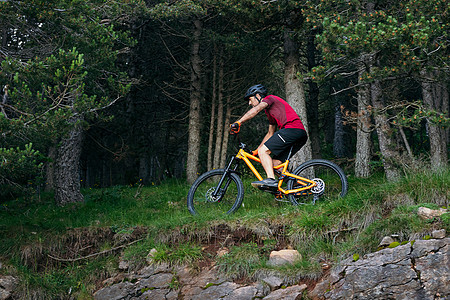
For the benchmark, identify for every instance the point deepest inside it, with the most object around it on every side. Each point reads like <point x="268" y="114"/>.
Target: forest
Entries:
<point x="103" y="93"/>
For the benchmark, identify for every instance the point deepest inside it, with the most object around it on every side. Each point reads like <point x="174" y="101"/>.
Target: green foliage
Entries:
<point x="241" y="261"/>
<point x="406" y="33"/>
<point x="392" y="40"/>
<point x="446" y="221"/>
<point x="185" y="253"/>
<point x="61" y="67"/>
<point x="394" y="244"/>
<point x="19" y="170"/>
<point x="179" y="9"/>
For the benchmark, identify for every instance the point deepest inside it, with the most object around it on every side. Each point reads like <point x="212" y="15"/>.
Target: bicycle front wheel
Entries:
<point x="329" y="177"/>
<point x="202" y="199"/>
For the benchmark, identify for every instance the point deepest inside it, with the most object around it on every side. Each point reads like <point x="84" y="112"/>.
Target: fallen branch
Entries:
<point x="341" y="230"/>
<point x="93" y="254"/>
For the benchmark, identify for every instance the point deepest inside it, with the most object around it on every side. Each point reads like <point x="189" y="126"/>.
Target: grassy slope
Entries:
<point x="41" y="243"/>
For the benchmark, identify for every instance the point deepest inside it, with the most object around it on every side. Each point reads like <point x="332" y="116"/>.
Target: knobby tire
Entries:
<point x="333" y="177"/>
<point x="200" y="200"/>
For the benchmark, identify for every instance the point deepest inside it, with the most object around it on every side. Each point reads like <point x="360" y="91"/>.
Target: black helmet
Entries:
<point x="256" y="89"/>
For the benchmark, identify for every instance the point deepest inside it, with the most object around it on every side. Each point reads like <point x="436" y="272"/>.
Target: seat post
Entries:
<point x="290" y="153"/>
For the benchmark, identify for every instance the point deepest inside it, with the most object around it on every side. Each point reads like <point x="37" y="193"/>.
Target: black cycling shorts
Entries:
<point x="282" y="140"/>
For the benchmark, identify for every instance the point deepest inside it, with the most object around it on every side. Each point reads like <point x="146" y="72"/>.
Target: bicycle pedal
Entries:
<point x="268" y="189"/>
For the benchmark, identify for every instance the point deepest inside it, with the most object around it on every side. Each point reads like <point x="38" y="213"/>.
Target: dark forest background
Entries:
<point x="104" y="93"/>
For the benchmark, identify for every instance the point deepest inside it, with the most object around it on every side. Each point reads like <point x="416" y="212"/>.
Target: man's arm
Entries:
<point x="252" y="112"/>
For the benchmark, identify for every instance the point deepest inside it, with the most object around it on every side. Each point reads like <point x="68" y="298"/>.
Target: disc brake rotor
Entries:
<point x="209" y="195"/>
<point x="320" y="186"/>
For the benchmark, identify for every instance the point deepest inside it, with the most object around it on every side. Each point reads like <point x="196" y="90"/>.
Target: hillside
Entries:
<point x="67" y="252"/>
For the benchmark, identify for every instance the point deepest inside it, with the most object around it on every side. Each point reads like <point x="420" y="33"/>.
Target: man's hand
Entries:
<point x="255" y="152"/>
<point x="235" y="127"/>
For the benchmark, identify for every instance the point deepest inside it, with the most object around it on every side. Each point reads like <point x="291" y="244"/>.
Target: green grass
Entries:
<point x="35" y="235"/>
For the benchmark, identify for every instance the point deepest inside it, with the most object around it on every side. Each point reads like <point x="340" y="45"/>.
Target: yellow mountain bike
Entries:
<point x="223" y="189"/>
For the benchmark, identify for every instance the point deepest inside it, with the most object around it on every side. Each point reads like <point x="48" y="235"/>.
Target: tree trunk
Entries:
<point x="339" y="144"/>
<point x="226" y="133"/>
<point x="67" y="168"/>
<point x="313" y="104"/>
<point x="364" y="122"/>
<point x="385" y="134"/>
<point x="194" y="109"/>
<point x="295" y="94"/>
<point x="50" y="170"/>
<point x="435" y="97"/>
<point x="406" y="143"/>
<point x="209" y="164"/>
<point x="145" y="173"/>
<point x="219" y="136"/>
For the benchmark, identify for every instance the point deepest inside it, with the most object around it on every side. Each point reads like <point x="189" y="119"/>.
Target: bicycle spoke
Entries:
<point x="203" y="200"/>
<point x="330" y="182"/>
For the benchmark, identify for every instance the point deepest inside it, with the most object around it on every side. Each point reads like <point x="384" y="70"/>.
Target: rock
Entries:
<point x="222" y="251"/>
<point x="434" y="270"/>
<point x="216" y="291"/>
<point x="417" y="270"/>
<point x="386" y="241"/>
<point x="7" y="286"/>
<point x="150" y="256"/>
<point x="438" y="234"/>
<point x="283" y="257"/>
<point x="115" y="292"/>
<point x="124" y="265"/>
<point x="426" y="213"/>
<point x="158" y="294"/>
<point x="289" y="293"/>
<point x="262" y="290"/>
<point x="246" y="292"/>
<point x="156" y="281"/>
<point x="273" y="282"/>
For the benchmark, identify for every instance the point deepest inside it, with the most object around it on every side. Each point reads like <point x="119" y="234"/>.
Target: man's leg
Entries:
<point x="276" y="162"/>
<point x="266" y="160"/>
<point x="270" y="183"/>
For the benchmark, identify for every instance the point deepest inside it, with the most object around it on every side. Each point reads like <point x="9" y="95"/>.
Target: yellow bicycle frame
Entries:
<point x="305" y="182"/>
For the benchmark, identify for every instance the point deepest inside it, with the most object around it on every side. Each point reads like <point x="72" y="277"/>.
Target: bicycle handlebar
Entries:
<point x="241" y="145"/>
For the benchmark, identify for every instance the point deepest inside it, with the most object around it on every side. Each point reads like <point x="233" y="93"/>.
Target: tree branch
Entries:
<point x="93" y="254"/>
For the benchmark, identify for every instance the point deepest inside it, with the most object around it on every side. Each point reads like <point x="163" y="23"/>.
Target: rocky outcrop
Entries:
<point x="164" y="282"/>
<point x="427" y="213"/>
<point x="7" y="286"/>
<point x="417" y="270"/>
<point x="283" y="257"/>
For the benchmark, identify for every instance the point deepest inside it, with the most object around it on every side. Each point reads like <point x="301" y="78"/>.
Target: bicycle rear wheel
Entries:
<point x="330" y="178"/>
<point x="200" y="199"/>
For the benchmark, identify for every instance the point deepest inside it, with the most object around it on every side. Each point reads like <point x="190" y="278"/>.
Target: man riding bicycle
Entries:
<point x="278" y="143"/>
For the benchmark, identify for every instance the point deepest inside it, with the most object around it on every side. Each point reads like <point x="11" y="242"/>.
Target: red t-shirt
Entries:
<point x="281" y="113"/>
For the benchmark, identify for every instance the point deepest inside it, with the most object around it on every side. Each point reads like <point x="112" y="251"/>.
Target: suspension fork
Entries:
<point x="227" y="171"/>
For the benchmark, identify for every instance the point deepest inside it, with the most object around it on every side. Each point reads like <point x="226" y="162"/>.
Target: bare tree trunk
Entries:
<point x="339" y="145"/>
<point x="385" y="135"/>
<point x="405" y="142"/>
<point x="435" y="97"/>
<point x="219" y="136"/>
<point x="363" y="130"/>
<point x="67" y="168"/>
<point x="144" y="170"/>
<point x="226" y="133"/>
<point x="313" y="106"/>
<point x="194" y="109"/>
<point x="295" y="94"/>
<point x="50" y="169"/>
<point x="213" y="115"/>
